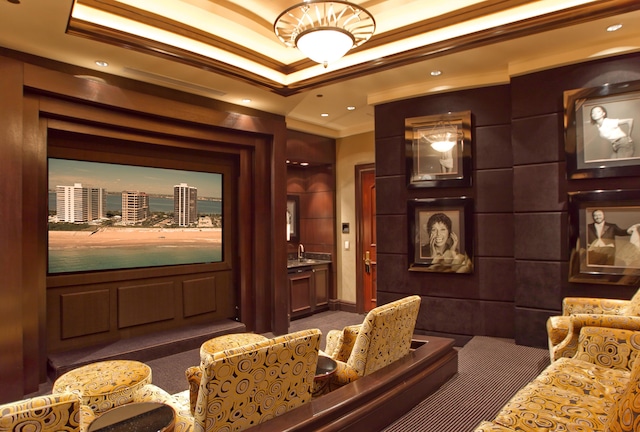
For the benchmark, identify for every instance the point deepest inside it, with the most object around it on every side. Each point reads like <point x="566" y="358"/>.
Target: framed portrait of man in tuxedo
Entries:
<point x="605" y="237"/>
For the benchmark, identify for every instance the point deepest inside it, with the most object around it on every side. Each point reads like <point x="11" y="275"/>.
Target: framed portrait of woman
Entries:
<point x="440" y="235"/>
<point x="601" y="134"/>
<point x="605" y="237"/>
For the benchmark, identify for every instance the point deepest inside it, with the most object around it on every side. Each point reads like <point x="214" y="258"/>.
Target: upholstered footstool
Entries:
<point x="228" y="341"/>
<point x="105" y="385"/>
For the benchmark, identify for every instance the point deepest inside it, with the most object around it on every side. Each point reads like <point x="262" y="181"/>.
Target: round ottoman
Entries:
<point x="105" y="385"/>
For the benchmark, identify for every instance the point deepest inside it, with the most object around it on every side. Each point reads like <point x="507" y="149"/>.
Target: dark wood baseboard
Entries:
<point x="375" y="401"/>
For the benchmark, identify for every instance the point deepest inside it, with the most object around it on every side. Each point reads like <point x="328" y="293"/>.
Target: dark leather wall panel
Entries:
<point x="545" y="131"/>
<point x="145" y="304"/>
<point x="539" y="187"/>
<point x="493" y="147"/>
<point x="84" y="313"/>
<point x="541" y="283"/>
<point x="494" y="235"/>
<point x="494" y="191"/>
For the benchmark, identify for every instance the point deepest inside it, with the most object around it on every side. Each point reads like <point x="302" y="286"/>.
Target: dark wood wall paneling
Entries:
<point x="315" y="185"/>
<point x="520" y="192"/>
<point x="37" y="100"/>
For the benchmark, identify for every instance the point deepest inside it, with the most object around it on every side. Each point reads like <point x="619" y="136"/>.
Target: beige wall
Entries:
<point x="350" y="151"/>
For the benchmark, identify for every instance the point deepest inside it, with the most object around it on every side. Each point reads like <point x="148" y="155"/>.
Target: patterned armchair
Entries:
<point x="246" y="385"/>
<point x="598" y="389"/>
<point x="563" y="331"/>
<point x="383" y="337"/>
<point x="61" y="412"/>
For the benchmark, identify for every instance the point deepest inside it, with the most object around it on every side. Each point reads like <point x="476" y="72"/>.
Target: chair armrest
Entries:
<point x="568" y="347"/>
<point x="587" y="305"/>
<point x="340" y="342"/>
<point x="343" y="375"/>
<point x="194" y="376"/>
<point x="608" y="347"/>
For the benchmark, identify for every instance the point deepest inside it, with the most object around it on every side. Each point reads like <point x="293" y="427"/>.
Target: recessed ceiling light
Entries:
<point x="102" y="63"/>
<point x="436" y="73"/>
<point x="351" y="108"/>
<point x="614" y="27"/>
<point x="246" y="100"/>
<point x="324" y="115"/>
<point x="304" y="163"/>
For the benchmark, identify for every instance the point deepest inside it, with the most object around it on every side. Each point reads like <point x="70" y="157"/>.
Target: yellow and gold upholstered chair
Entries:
<point x="598" y="389"/>
<point x="61" y="412"/>
<point x="246" y="385"/>
<point x="577" y="312"/>
<point x="383" y="337"/>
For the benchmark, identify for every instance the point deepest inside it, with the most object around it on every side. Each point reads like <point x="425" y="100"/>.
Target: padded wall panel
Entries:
<point x="466" y="317"/>
<point x="144" y="304"/>
<point x="537" y="139"/>
<point x="391" y="195"/>
<point x="199" y="296"/>
<point x="541" y="284"/>
<point x="530" y="327"/>
<point x="492" y="147"/>
<point x="84" y="313"/>
<point x="494" y="235"/>
<point x="392" y="234"/>
<point x="497" y="278"/>
<point x="390" y="156"/>
<point x="539" y="188"/>
<point x="494" y="191"/>
<point x="541" y="236"/>
<point x="392" y="273"/>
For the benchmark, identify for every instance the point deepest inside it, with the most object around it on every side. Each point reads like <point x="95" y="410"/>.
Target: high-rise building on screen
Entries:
<point x="185" y="204"/>
<point x="80" y="204"/>
<point x="135" y="207"/>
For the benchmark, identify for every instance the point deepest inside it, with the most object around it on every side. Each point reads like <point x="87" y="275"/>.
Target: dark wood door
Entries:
<point x="366" y="242"/>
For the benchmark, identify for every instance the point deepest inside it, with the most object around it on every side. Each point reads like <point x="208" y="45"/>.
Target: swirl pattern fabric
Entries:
<point x="383" y="337"/>
<point x="250" y="384"/>
<point x="562" y="338"/>
<point x="52" y="413"/>
<point x="596" y="390"/>
<point x="105" y="385"/>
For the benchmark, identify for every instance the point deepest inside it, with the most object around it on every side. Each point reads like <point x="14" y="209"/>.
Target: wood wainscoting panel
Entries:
<point x="84" y="313"/>
<point x="199" y="296"/>
<point x="144" y="304"/>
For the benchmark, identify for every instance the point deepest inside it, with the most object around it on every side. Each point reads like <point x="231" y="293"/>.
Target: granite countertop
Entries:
<point x="306" y="262"/>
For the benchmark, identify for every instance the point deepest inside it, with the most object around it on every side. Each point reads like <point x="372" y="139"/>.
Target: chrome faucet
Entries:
<point x="300" y="252"/>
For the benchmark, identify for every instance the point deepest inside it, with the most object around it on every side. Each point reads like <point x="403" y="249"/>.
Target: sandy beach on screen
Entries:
<point x="109" y="237"/>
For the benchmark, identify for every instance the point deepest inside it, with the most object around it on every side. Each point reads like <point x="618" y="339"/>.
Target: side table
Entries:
<point x="136" y="417"/>
<point x="325" y="368"/>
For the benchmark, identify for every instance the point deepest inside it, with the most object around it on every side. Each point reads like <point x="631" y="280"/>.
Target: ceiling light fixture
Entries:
<point x="614" y="27"/>
<point x="442" y="137"/>
<point x="324" y="31"/>
<point x="102" y="63"/>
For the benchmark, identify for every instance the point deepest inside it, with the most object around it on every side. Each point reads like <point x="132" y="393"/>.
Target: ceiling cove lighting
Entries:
<point x="442" y="137"/>
<point x="324" y="31"/>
